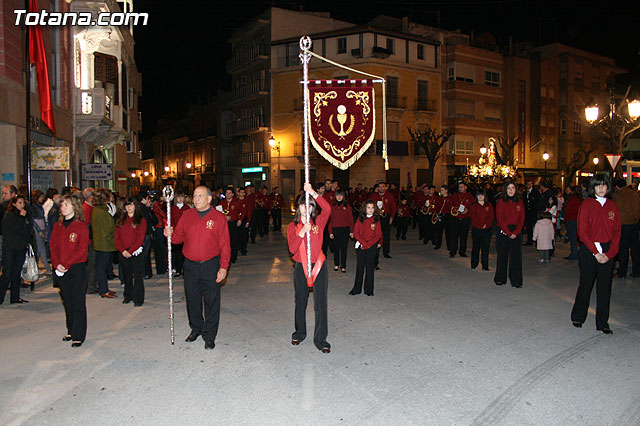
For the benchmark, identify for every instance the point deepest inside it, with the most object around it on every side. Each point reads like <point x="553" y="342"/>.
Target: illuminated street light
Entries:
<point x="167" y="168"/>
<point x="133" y="175"/>
<point x="272" y="142"/>
<point x="591" y="114"/>
<point x="596" y="160"/>
<point x="188" y="165"/>
<point x="146" y="173"/>
<point x="634" y="109"/>
<point x="545" y="157"/>
<point x="483" y="150"/>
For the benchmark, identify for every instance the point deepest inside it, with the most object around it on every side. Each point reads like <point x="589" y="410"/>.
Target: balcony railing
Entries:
<point x="465" y="116"/>
<point x="246" y="56"/>
<point x="249" y="159"/>
<point x="430" y="105"/>
<point x="397" y="102"/>
<point x="493" y="119"/>
<point x="256" y="87"/>
<point x="245" y="126"/>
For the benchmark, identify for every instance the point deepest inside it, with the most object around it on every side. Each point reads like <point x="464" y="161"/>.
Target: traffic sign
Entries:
<point x="613" y="159"/>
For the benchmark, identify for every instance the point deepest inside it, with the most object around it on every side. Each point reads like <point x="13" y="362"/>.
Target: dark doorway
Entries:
<point x="393" y="176"/>
<point x="342" y="176"/>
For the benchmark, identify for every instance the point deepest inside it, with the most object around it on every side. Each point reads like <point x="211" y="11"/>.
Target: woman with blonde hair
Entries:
<point x="69" y="245"/>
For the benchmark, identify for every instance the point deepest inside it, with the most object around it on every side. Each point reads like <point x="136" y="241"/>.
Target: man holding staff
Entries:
<point x="207" y="251"/>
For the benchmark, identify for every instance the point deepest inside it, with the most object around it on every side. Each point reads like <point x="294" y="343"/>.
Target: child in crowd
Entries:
<point x="544" y="235"/>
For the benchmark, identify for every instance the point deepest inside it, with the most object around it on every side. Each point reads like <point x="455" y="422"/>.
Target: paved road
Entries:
<point x="438" y="344"/>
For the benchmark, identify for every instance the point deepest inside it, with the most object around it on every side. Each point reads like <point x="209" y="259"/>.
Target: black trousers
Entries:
<point x="459" y="233"/>
<point x="447" y="223"/>
<point x="427" y="228"/>
<point x="233" y="239"/>
<point x="91" y="284"/>
<point x="265" y="221"/>
<point x="591" y="271"/>
<point x="200" y="285"/>
<point x="146" y="252"/>
<point x="243" y="237"/>
<point x="386" y="235"/>
<point x="509" y="255"/>
<point x="414" y="218"/>
<point x="402" y="227"/>
<point x="255" y="224"/>
<point x="629" y="241"/>
<point x="12" y="261"/>
<point x="177" y="258"/>
<point x="529" y="223"/>
<point x="133" y="270"/>
<point x="73" y="298"/>
<point x="340" y="244"/>
<point x="159" y="244"/>
<point x="320" y="290"/>
<point x="365" y="268"/>
<point x="421" y="222"/>
<point x="327" y="243"/>
<point x="276" y="215"/>
<point x="481" y="241"/>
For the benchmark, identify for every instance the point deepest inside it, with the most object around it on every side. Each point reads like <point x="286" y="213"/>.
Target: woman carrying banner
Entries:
<point x="599" y="232"/>
<point x="69" y="245"/>
<point x="319" y="280"/>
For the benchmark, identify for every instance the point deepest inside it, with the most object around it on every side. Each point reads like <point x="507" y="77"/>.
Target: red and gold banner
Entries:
<point x="342" y="120"/>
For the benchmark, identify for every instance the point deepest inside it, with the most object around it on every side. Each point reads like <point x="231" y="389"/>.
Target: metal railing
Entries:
<point x="246" y="56"/>
<point x="397" y="102"/>
<point x="248" y="159"/>
<point x="256" y="87"/>
<point x="245" y="126"/>
<point x="426" y="105"/>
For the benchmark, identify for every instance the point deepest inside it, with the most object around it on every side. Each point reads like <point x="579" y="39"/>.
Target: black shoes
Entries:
<point x="66" y="338"/>
<point x="335" y="268"/>
<point x="177" y="274"/>
<point x="326" y="349"/>
<point x="452" y="255"/>
<point x="19" y="301"/>
<point x="576" y="324"/>
<point x="387" y="256"/>
<point x="343" y="270"/>
<point x="76" y="344"/>
<point x="148" y="277"/>
<point x="209" y="345"/>
<point x="516" y="285"/>
<point x="436" y="247"/>
<point x="607" y="330"/>
<point x="192" y="337"/>
<point x="369" y="294"/>
<point x="295" y="342"/>
<point x="137" y="305"/>
<point x="486" y="269"/>
<point x="463" y="255"/>
<point x="126" y="300"/>
<point x="353" y="292"/>
<point x="377" y="268"/>
<point x="499" y="283"/>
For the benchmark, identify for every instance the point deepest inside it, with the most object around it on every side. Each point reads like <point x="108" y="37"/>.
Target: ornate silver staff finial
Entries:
<point x="167" y="193"/>
<point x="305" y="43"/>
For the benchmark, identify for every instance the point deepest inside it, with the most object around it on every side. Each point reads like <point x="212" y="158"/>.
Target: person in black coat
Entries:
<point x="531" y="198"/>
<point x="17" y="233"/>
<point x="145" y="208"/>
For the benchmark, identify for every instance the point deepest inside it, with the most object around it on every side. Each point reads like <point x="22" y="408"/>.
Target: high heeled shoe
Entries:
<point x="76" y="344"/>
<point x="576" y="324"/>
<point x="66" y="338"/>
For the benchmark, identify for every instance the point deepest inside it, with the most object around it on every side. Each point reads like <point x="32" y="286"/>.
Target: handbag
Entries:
<point x="30" y="266"/>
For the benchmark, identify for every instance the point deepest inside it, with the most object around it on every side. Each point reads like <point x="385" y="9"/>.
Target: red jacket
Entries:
<point x="404" y="210"/>
<point x="277" y="201"/>
<point x="204" y="238"/>
<point x="263" y="201"/>
<point x="601" y="224"/>
<point x="481" y="216"/>
<point x="87" y="209"/>
<point x="246" y="207"/>
<point x="316" y="233"/>
<point x="69" y="245"/>
<point x="510" y="213"/>
<point x="368" y="233"/>
<point x="389" y="205"/>
<point x="571" y="209"/>
<point x="341" y="217"/>
<point x="463" y="198"/>
<point x="176" y="213"/>
<point x="130" y="238"/>
<point x="232" y="208"/>
<point x="329" y="196"/>
<point x="160" y="210"/>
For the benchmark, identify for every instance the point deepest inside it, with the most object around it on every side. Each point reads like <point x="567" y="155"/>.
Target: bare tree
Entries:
<point x="431" y="142"/>
<point x="578" y="160"/>
<point x="506" y="150"/>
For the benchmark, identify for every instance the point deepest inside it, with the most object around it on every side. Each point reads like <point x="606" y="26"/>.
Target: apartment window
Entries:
<point x="493" y="112"/>
<point x="393" y="130"/>
<point x="563" y="126"/>
<point x="390" y="45"/>
<point x="392" y="90"/>
<point x="577" y="128"/>
<point x="579" y="71"/>
<point x="552" y="92"/>
<point x="421" y="52"/>
<point x="342" y="45"/>
<point x="492" y="78"/>
<point x="451" y="74"/>
<point x="464" y="72"/>
<point x="563" y="69"/>
<point x="464" y="146"/>
<point x="465" y="109"/>
<point x="423" y="94"/>
<point x="521" y="90"/>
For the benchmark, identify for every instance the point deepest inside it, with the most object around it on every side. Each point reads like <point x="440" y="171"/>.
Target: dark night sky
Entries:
<point x="183" y="50"/>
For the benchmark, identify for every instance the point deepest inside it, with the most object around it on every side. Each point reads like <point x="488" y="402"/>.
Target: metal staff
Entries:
<point x="305" y="57"/>
<point x="167" y="193"/>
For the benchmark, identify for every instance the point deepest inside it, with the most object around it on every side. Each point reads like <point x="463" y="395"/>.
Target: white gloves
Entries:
<point x="60" y="274"/>
<point x="137" y="252"/>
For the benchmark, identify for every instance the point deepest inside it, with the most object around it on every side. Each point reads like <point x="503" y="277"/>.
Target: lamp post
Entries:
<point x="596" y="160"/>
<point x="275" y="145"/>
<point x="615" y="122"/>
<point x="545" y="157"/>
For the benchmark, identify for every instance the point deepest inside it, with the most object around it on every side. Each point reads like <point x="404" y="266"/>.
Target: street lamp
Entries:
<point x="167" y="168"/>
<point x="146" y="173"/>
<point x="596" y="160"/>
<point x="188" y="165"/>
<point x="614" y="122"/>
<point x="545" y="157"/>
<point x="275" y="145"/>
<point x="133" y="175"/>
<point x="483" y="150"/>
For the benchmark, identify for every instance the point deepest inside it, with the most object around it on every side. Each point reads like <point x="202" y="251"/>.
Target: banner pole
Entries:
<point x="167" y="193"/>
<point x="305" y="57"/>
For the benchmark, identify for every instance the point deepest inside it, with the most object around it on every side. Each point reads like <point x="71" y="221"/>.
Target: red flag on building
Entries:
<point x="38" y="56"/>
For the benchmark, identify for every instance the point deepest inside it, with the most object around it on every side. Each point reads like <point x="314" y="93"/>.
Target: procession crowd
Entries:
<point x="80" y="236"/>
